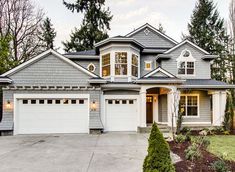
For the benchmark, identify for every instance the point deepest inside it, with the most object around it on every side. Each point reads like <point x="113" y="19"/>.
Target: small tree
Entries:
<point x="228" y="116"/>
<point x="158" y="158"/>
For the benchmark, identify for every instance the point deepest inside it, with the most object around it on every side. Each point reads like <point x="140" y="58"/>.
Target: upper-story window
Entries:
<point x="121" y="63"/>
<point x="106" y="65"/>
<point x="186" y="63"/>
<point x="91" y="67"/>
<point x="148" y="65"/>
<point x="134" y="65"/>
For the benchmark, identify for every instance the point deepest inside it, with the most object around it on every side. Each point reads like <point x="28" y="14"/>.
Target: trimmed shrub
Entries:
<point x="158" y="158"/>
<point x="192" y="152"/>
<point x="220" y="166"/>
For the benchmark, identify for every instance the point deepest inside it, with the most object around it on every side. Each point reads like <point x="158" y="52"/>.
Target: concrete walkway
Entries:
<point x="111" y="152"/>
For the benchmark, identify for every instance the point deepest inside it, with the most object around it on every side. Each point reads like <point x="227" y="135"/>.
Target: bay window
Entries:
<point x="189" y="105"/>
<point x="106" y="65"/>
<point x="121" y="63"/>
<point x="134" y="65"/>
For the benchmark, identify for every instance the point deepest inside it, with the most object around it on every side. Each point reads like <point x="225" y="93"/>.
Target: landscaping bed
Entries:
<point x="200" y="165"/>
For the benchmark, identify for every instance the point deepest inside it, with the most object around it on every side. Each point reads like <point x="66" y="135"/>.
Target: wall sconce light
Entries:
<point x="8" y="105"/>
<point x="155" y="99"/>
<point x="93" y="106"/>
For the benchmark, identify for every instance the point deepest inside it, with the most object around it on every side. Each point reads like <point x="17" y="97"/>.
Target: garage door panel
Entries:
<point x="121" y="117"/>
<point x="52" y="118"/>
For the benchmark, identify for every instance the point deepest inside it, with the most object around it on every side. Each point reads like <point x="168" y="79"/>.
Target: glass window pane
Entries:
<point x="57" y="101"/>
<point x="73" y="101"/>
<point x="134" y="60"/>
<point x="121" y="57"/>
<point x="192" y="111"/>
<point x="190" y="71"/>
<point x="66" y="101"/>
<point x="81" y="101"/>
<point x="33" y="101"/>
<point x="134" y="71"/>
<point x="192" y="100"/>
<point x="106" y="59"/>
<point x="110" y="101"/>
<point x="120" y="69"/>
<point x="25" y="101"/>
<point x="49" y="101"/>
<point x="106" y="71"/>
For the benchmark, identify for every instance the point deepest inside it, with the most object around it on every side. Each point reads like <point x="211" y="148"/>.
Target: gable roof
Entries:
<point x="161" y="70"/>
<point x="186" y="42"/>
<point x="42" y="55"/>
<point x="154" y="29"/>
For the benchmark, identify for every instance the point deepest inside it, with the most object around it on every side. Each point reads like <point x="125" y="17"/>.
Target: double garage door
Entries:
<point x="121" y="114"/>
<point x="38" y="114"/>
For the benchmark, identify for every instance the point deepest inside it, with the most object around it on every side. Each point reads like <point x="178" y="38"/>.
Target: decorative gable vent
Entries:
<point x="146" y="31"/>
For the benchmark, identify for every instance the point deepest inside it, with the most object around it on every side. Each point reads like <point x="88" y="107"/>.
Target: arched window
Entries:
<point x="186" y="63"/>
<point x="91" y="67"/>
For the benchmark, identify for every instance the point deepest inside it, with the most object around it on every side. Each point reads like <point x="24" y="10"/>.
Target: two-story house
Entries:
<point x="124" y="84"/>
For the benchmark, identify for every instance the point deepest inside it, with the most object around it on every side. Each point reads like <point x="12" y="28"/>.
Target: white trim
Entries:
<point x="148" y="62"/>
<point x="22" y="96"/>
<point x="6" y="80"/>
<point x="186" y="105"/>
<point x="197" y="123"/>
<point x="207" y="86"/>
<point x="93" y="67"/>
<point x="118" y="40"/>
<point x="25" y="64"/>
<point x="159" y="69"/>
<point x="189" y="42"/>
<point x="152" y="28"/>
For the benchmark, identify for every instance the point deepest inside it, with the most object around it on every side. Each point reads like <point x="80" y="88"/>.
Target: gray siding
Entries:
<point x="202" y="68"/>
<point x="153" y="39"/>
<point x="7" y="120"/>
<point x="204" y="107"/>
<point x="144" y="58"/>
<point x="162" y="109"/>
<point x="50" y="71"/>
<point x="85" y="63"/>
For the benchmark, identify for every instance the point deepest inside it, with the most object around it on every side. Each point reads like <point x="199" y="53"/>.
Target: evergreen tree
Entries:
<point x="48" y="34"/>
<point x="94" y="25"/>
<point x="207" y="30"/>
<point x="6" y="60"/>
<point x="158" y="158"/>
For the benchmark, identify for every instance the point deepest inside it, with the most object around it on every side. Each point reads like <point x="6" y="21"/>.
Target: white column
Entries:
<point x="143" y="108"/>
<point x="218" y="107"/>
<point x="112" y="66"/>
<point x="173" y="98"/>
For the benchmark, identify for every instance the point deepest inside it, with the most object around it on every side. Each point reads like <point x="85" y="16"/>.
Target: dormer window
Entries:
<point x="106" y="65"/>
<point x="186" y="63"/>
<point x="121" y="63"/>
<point x="134" y="65"/>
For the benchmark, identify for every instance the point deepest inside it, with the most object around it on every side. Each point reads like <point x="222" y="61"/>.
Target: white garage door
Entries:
<point x="121" y="115"/>
<point x="52" y="115"/>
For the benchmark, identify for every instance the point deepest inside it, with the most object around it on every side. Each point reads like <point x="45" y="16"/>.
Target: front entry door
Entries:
<point x="149" y="109"/>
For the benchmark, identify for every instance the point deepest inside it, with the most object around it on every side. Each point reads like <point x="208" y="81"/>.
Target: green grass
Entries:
<point x="223" y="146"/>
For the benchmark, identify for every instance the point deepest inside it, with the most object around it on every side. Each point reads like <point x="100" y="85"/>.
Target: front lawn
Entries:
<point x="222" y="145"/>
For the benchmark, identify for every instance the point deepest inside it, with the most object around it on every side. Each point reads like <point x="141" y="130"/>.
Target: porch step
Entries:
<point x="163" y="128"/>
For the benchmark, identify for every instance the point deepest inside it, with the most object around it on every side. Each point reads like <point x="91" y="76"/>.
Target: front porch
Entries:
<point x="199" y="107"/>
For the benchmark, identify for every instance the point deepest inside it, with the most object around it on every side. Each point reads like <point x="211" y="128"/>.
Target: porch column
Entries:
<point x="173" y="98"/>
<point x="143" y="108"/>
<point x="218" y="107"/>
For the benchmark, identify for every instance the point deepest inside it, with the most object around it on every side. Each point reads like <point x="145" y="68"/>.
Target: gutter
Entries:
<point x="207" y="86"/>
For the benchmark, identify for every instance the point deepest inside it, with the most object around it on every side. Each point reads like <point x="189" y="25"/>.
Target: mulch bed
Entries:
<point x="201" y="165"/>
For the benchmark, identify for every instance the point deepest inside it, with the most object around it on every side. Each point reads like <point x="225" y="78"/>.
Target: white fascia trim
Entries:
<point x="5" y="80"/>
<point x="154" y="29"/>
<point x="82" y="57"/>
<point x="44" y="54"/>
<point x="207" y="86"/>
<point x="186" y="41"/>
<point x="97" y="81"/>
<point x="118" y="39"/>
<point x="160" y="81"/>
<point x="159" y="70"/>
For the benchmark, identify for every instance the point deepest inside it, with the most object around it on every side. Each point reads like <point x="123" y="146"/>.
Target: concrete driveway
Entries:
<point x="111" y="152"/>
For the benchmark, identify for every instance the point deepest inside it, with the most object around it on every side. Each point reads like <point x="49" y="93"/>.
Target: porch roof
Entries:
<point x="160" y="80"/>
<point x="205" y="83"/>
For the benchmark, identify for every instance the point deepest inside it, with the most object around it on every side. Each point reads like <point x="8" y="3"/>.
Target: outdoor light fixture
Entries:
<point x="155" y="99"/>
<point x="93" y="106"/>
<point x="8" y="105"/>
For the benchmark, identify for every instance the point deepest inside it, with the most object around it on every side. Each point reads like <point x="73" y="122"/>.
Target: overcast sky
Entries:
<point x="128" y="15"/>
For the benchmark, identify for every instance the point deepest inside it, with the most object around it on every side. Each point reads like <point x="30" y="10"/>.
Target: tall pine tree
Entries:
<point x="48" y="34"/>
<point x="207" y="30"/>
<point x="94" y="25"/>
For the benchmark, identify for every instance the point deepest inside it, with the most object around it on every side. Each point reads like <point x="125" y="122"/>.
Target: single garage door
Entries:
<point x="52" y="115"/>
<point x="121" y="115"/>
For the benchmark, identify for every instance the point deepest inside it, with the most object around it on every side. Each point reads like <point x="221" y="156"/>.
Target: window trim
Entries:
<point x="151" y="65"/>
<point x="135" y="65"/>
<point x="186" y="105"/>
<point x="91" y="64"/>
<point x="101" y="64"/>
<point x="121" y="64"/>
<point x="190" y="58"/>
